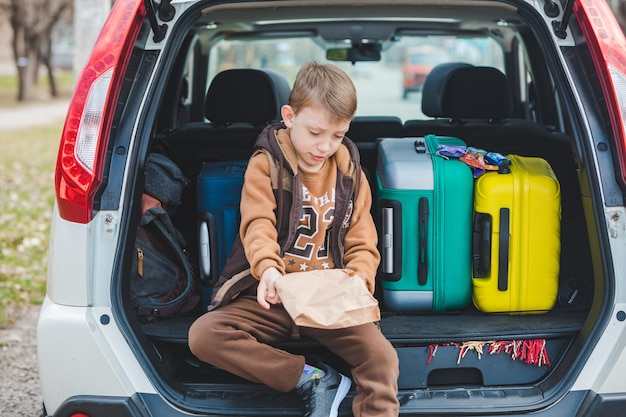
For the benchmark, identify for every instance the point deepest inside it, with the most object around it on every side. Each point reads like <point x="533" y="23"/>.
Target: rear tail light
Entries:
<point x="91" y="121"/>
<point x="85" y="135"/>
<point x="608" y="50"/>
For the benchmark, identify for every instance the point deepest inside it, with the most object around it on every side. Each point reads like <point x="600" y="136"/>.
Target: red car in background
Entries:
<point x="417" y="64"/>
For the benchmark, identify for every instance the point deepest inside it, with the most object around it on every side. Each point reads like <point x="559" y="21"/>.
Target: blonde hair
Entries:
<point x="325" y="86"/>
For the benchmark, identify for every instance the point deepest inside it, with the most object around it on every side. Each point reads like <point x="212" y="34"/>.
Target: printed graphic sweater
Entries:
<point x="298" y="221"/>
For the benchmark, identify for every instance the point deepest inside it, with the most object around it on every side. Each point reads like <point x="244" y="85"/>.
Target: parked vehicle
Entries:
<point x="533" y="79"/>
<point x="417" y="64"/>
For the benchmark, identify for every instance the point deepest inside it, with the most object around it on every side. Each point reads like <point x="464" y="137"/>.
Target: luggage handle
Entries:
<point x="503" y="249"/>
<point x="481" y="245"/>
<point x="420" y="146"/>
<point x="387" y="240"/>
<point x="391" y="240"/>
<point x="207" y="249"/>
<point x="422" y="253"/>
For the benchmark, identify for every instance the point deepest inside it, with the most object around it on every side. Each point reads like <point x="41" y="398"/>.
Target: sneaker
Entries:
<point x="322" y="396"/>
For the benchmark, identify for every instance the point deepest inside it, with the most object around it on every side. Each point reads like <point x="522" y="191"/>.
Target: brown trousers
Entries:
<point x="238" y="338"/>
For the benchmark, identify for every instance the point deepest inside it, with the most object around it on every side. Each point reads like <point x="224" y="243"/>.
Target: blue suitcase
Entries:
<point x="218" y="190"/>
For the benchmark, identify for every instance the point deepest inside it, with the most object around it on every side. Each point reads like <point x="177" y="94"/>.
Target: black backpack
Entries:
<point x="163" y="282"/>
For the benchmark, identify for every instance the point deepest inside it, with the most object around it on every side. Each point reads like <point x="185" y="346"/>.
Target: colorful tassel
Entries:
<point x="530" y="351"/>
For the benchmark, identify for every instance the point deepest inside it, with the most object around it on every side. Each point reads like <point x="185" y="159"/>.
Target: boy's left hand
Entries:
<point x="266" y="291"/>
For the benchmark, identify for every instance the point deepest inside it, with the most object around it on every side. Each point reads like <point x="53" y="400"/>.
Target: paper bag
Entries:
<point x="327" y="299"/>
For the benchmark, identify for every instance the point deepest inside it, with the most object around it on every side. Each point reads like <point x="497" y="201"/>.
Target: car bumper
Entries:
<point x="575" y="404"/>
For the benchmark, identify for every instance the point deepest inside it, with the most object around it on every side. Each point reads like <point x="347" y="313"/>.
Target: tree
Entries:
<point x="32" y="22"/>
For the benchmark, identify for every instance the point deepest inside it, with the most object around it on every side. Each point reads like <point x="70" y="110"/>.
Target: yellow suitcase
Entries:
<point x="516" y="238"/>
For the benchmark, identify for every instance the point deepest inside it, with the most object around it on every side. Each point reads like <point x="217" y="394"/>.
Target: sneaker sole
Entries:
<point x="342" y="391"/>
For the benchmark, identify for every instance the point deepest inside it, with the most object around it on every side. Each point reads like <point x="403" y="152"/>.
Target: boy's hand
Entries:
<point x="148" y="202"/>
<point x="266" y="291"/>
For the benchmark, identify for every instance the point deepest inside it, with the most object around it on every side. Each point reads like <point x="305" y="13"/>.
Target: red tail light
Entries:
<point x="86" y="132"/>
<point x="608" y="50"/>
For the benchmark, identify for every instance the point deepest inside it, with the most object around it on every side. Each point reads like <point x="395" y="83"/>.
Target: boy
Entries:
<point x="317" y="217"/>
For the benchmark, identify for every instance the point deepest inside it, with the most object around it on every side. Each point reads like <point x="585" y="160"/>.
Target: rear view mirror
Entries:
<point x="355" y="53"/>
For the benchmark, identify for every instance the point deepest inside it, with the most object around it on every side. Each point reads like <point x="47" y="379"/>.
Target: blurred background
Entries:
<point x="44" y="43"/>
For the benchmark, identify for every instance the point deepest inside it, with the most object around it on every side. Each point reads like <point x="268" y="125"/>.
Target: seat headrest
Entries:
<point x="433" y="91"/>
<point x="246" y="95"/>
<point x="370" y="128"/>
<point x="462" y="91"/>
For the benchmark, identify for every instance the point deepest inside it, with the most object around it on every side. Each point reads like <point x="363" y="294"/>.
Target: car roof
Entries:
<point x="370" y="21"/>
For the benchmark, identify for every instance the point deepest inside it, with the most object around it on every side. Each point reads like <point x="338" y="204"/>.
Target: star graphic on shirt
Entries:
<point x="303" y="267"/>
<point x="314" y="266"/>
<point x="325" y="265"/>
<point x="291" y="262"/>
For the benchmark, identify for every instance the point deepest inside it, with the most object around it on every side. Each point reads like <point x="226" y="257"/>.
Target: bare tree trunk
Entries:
<point x="32" y="22"/>
<point x="29" y="76"/>
<point x="37" y="67"/>
<point x="46" y="50"/>
<point x="18" y="15"/>
<point x="47" y="61"/>
<point x="22" y="51"/>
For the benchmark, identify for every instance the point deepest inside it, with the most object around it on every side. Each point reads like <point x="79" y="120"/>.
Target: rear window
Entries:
<point x="417" y="57"/>
<point x="379" y="84"/>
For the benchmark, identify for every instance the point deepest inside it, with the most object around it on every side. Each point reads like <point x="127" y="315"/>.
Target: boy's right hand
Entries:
<point x="266" y="291"/>
<point x="148" y="202"/>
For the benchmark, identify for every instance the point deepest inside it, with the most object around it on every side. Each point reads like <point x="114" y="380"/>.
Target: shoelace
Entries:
<point x="308" y="396"/>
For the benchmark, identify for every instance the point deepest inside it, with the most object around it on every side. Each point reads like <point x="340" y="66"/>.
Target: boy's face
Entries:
<point x="315" y="135"/>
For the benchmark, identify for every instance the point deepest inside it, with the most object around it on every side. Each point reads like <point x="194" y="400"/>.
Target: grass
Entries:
<point x="8" y="89"/>
<point x="27" y="165"/>
<point x="27" y="182"/>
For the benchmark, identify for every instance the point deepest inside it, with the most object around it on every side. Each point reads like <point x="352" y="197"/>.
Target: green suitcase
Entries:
<point x="425" y="214"/>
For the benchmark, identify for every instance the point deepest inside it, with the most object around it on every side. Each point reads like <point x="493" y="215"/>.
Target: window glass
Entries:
<point x="391" y="86"/>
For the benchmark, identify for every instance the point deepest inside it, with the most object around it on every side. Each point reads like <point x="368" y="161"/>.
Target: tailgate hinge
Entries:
<point x="560" y="27"/>
<point x="166" y="13"/>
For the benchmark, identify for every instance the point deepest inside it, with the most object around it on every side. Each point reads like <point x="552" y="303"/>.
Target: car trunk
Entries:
<point x="512" y="360"/>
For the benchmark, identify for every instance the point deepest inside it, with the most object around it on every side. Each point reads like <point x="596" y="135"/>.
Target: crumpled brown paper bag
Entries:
<point x="327" y="299"/>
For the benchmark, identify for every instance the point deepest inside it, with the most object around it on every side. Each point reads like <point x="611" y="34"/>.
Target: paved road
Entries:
<point x="20" y="394"/>
<point x="33" y="115"/>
